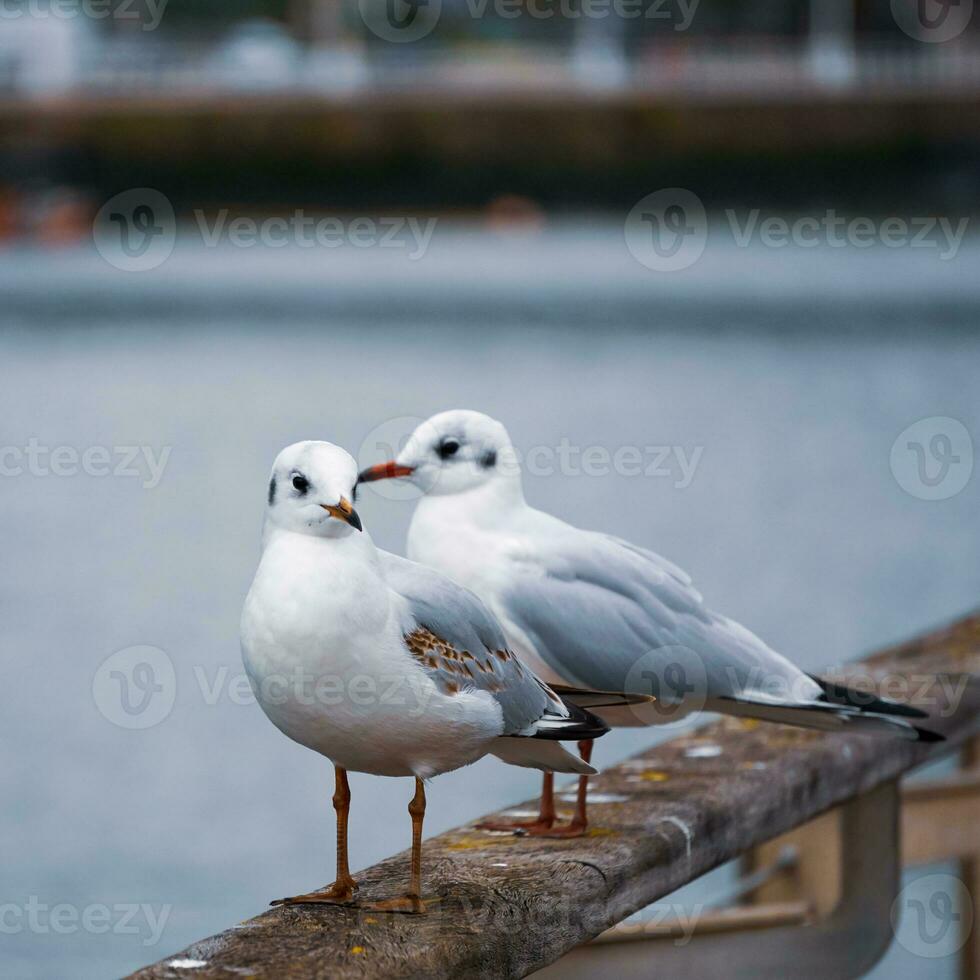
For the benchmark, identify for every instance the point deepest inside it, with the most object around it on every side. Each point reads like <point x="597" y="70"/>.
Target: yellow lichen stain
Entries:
<point x="357" y="950"/>
<point x="654" y="776"/>
<point x="750" y="724"/>
<point x="370" y="920"/>
<point x="478" y="843"/>
<point x="600" y="832"/>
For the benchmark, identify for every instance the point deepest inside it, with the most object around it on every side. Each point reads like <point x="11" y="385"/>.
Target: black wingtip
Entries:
<point x="927" y="735"/>
<point x="580" y="724"/>
<point x="841" y="694"/>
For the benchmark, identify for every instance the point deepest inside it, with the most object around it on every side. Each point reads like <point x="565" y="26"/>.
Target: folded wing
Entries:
<point x="461" y="646"/>
<point x="607" y="615"/>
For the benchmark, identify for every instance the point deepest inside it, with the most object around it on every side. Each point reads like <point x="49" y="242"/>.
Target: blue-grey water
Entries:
<point x="786" y="374"/>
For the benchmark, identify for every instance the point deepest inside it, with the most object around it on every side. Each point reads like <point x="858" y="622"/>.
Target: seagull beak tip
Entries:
<point x="343" y="511"/>
<point x="384" y="471"/>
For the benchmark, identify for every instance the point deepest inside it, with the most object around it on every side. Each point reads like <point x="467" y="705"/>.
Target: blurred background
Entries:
<point x="737" y="238"/>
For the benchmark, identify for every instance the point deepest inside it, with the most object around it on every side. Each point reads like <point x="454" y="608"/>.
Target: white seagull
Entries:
<point x="381" y="665"/>
<point x="585" y="608"/>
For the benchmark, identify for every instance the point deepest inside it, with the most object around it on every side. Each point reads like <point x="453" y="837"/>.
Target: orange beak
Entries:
<point x="344" y="512"/>
<point x="384" y="471"/>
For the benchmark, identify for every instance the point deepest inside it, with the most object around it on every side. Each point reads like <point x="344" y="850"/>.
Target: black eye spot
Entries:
<point x="488" y="459"/>
<point x="447" y="448"/>
<point x="272" y="491"/>
<point x="301" y="483"/>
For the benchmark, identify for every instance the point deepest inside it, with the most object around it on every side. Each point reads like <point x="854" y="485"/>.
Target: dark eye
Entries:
<point x="301" y="483"/>
<point x="448" y="448"/>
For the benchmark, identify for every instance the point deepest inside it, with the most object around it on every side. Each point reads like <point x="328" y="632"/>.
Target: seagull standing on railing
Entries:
<point x="382" y="665"/>
<point x="590" y="609"/>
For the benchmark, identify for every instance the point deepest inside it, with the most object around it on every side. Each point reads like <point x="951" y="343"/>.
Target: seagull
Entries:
<point x="382" y="665"/>
<point x="589" y="609"/>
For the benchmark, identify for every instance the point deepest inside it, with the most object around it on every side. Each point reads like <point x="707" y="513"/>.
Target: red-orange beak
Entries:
<point x="384" y="471"/>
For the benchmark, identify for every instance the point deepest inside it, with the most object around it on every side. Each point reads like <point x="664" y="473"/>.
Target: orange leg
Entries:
<point x="580" y="822"/>
<point x="342" y="890"/>
<point x="412" y="902"/>
<point x="546" y="814"/>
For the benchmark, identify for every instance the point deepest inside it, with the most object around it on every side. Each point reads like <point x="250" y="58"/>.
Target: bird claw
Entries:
<point x="408" y="904"/>
<point x="562" y="832"/>
<point x="336" y="894"/>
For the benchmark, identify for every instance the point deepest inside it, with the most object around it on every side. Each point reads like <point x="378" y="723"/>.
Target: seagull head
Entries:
<point x="452" y="452"/>
<point x="312" y="489"/>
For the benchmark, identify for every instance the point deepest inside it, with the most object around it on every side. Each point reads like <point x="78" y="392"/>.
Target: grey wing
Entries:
<point x="606" y="614"/>
<point x="460" y="644"/>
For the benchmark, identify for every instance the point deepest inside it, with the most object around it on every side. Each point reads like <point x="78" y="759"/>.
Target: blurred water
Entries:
<point x="793" y="371"/>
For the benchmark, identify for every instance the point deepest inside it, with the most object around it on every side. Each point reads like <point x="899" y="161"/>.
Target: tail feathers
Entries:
<point x="826" y="715"/>
<point x="536" y="753"/>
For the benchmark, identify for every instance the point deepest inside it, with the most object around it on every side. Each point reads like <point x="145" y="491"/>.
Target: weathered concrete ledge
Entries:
<point x="510" y="905"/>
